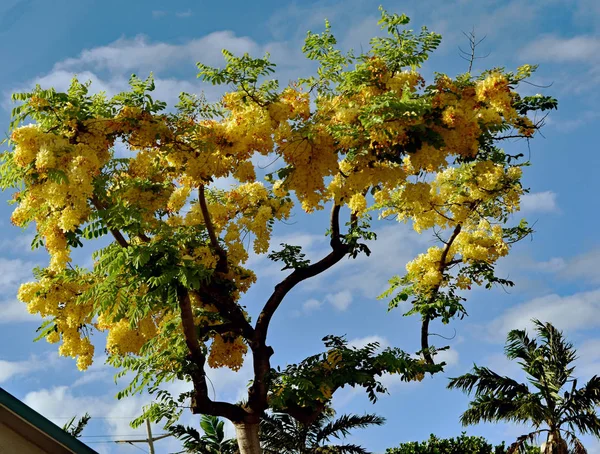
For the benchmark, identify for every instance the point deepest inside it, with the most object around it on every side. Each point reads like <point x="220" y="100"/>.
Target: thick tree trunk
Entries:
<point x="247" y="438"/>
<point x="554" y="444"/>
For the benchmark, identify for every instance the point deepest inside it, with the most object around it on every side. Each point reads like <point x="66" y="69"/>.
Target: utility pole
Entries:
<point x="150" y="440"/>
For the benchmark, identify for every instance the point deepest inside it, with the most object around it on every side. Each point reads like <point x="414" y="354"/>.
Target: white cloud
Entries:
<point x="12" y="311"/>
<point x="139" y="54"/>
<point x="341" y="300"/>
<point x="396" y="244"/>
<point x="17" y="243"/>
<point x="167" y="89"/>
<point x="539" y="202"/>
<point x="108" y="67"/>
<point x="583" y="51"/>
<point x="551" y="266"/>
<point x="499" y="363"/>
<point x="588" y="359"/>
<point x="311" y="305"/>
<point x="184" y="14"/>
<point x="9" y="369"/>
<point x="229" y="385"/>
<point x="561" y="50"/>
<point x="99" y="371"/>
<point x="450" y="357"/>
<point x="59" y="403"/>
<point x="584" y="266"/>
<point x="574" y="312"/>
<point x="14" y="272"/>
<point x="361" y="342"/>
<point x="569" y="124"/>
<point x="158" y="13"/>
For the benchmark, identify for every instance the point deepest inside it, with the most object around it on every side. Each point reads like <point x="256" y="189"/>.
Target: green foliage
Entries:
<point x="164" y="407"/>
<point x="244" y="73"/>
<point x="332" y="62"/>
<point x="291" y="256"/>
<point x="314" y="379"/>
<point x="402" y="48"/>
<point x="76" y="428"/>
<point x="138" y="95"/>
<point x="213" y="440"/>
<point x="281" y="434"/>
<point x="356" y="234"/>
<point x="463" y="444"/>
<point x="534" y="103"/>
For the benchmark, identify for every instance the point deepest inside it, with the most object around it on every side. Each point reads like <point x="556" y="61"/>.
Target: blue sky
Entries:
<point x="557" y="273"/>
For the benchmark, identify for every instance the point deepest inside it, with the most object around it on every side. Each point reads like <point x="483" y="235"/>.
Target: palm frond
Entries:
<point x="341" y="427"/>
<point x="486" y="381"/>
<point x="493" y="409"/>
<point x="340" y="449"/>
<point x="519" y="345"/>
<point x="76" y="428"/>
<point x="558" y="353"/>
<point x="279" y="433"/>
<point x="521" y="443"/>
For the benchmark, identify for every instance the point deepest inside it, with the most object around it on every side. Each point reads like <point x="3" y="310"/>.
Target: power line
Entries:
<point x="113" y="436"/>
<point x="129" y="444"/>
<point x="94" y="417"/>
<point x="150" y="440"/>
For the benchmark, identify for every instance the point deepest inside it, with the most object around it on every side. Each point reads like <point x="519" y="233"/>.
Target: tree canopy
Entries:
<point x="366" y="136"/>
<point x="463" y="444"/>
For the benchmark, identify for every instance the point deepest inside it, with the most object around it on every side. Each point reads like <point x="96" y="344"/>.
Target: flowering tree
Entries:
<point x="366" y="135"/>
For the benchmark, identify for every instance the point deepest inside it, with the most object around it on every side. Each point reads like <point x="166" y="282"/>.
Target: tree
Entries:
<point x="555" y="406"/>
<point x="460" y="445"/>
<point x="282" y="434"/>
<point x="213" y="440"/>
<point x="366" y="135"/>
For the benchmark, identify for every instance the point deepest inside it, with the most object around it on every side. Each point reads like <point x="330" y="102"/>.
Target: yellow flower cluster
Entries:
<point x="247" y="208"/>
<point x="348" y="147"/>
<point x="494" y="90"/>
<point x="59" y="177"/>
<point x="227" y="352"/>
<point x="425" y="271"/>
<point x="57" y="298"/>
<point x="123" y="337"/>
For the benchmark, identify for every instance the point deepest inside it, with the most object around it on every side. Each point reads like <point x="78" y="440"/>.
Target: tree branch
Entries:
<point x="305" y="415"/>
<point x="426" y="317"/>
<point x="201" y="402"/>
<point x="115" y="233"/>
<point x="223" y="328"/>
<point x="298" y="275"/>
<point x="257" y="395"/>
<point x="222" y="265"/>
<point x="227" y="306"/>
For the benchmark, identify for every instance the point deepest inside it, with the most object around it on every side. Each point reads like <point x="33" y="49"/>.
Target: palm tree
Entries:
<point x="76" y="428"/>
<point x="212" y="442"/>
<point x="554" y="405"/>
<point x="282" y="434"/>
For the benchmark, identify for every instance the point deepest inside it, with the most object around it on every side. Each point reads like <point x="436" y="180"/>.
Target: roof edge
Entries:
<point x="43" y="424"/>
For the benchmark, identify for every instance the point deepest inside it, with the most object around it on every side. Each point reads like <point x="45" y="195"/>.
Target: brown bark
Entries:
<point x="426" y="317"/>
<point x="201" y="402"/>
<point x="261" y="352"/>
<point x="555" y="444"/>
<point x="247" y="438"/>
